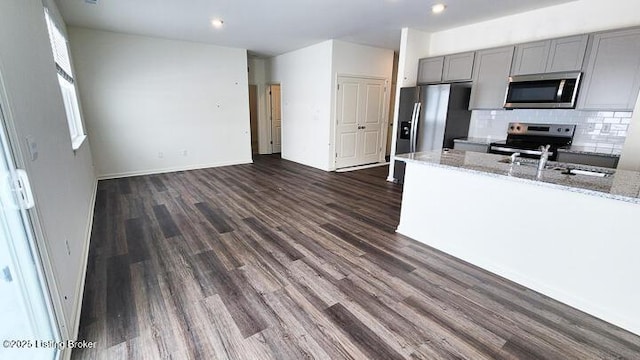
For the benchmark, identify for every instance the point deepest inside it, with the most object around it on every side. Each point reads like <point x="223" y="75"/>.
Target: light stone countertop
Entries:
<point x="623" y="185"/>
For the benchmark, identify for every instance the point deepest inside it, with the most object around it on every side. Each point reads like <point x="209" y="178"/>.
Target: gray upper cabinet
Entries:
<point x="458" y="67"/>
<point x="563" y="54"/>
<point x="612" y="73"/>
<point x="567" y="54"/>
<point x="490" y="78"/>
<point x="531" y="58"/>
<point x="430" y="70"/>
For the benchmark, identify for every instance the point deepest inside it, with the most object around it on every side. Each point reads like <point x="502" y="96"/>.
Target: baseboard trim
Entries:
<point x="362" y="167"/>
<point x="66" y="352"/>
<point x="171" y="169"/>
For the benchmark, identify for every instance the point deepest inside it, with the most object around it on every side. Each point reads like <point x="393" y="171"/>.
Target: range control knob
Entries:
<point x="567" y="130"/>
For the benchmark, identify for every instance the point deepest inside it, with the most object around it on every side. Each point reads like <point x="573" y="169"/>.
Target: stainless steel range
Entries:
<point x="527" y="139"/>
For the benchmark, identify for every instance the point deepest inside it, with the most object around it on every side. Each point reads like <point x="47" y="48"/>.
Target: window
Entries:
<point x="65" y="79"/>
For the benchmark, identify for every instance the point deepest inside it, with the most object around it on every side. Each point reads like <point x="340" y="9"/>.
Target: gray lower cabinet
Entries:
<point x="430" y="70"/>
<point x="612" y="74"/>
<point x="467" y="146"/>
<point x="555" y="55"/>
<point x="594" y="159"/>
<point x="490" y="78"/>
<point x="458" y="67"/>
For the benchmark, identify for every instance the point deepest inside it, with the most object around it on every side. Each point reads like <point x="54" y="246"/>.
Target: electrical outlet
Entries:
<point x="184" y="152"/>
<point x="66" y="242"/>
<point x="606" y="128"/>
<point x="160" y="155"/>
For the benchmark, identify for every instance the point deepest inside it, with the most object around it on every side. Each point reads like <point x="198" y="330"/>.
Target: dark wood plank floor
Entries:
<point x="276" y="260"/>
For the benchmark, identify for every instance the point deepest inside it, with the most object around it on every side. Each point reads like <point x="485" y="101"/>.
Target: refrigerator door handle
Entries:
<point x="413" y="117"/>
<point x="414" y="127"/>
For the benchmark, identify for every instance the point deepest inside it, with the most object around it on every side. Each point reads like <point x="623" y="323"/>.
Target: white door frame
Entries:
<point x="44" y="265"/>
<point x="334" y="117"/>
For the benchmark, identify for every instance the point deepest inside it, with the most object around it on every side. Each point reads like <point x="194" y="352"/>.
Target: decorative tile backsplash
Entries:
<point x="602" y="131"/>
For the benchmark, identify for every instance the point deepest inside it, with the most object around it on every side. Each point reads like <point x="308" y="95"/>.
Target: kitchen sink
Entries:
<point x="565" y="168"/>
<point x="531" y="163"/>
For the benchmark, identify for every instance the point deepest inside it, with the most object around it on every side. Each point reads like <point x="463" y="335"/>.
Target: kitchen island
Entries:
<point x="574" y="238"/>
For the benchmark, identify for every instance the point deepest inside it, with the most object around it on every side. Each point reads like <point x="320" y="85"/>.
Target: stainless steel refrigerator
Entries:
<point x="429" y="118"/>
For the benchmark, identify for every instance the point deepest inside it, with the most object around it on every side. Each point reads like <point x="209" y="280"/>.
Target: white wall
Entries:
<point x="572" y="18"/>
<point x="361" y="60"/>
<point x="364" y="61"/>
<point x="258" y="76"/>
<point x="147" y="101"/>
<point x="308" y="79"/>
<point x="62" y="180"/>
<point x="414" y="45"/>
<point x="305" y="78"/>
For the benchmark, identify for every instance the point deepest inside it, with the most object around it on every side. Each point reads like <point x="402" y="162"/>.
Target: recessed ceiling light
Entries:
<point x="438" y="8"/>
<point x="217" y="23"/>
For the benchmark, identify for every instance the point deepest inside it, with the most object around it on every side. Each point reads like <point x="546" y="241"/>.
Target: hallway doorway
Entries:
<point x="253" y="117"/>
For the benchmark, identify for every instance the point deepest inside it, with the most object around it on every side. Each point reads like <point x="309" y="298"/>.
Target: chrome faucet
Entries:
<point x="544" y="156"/>
<point x="514" y="156"/>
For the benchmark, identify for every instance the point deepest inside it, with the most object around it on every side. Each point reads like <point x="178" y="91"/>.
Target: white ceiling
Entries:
<point x="274" y="27"/>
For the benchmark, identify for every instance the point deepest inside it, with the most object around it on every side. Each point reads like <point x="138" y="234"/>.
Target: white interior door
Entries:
<point x="25" y="307"/>
<point x="372" y="121"/>
<point x="276" y="119"/>
<point x="359" y="121"/>
<point x="348" y="109"/>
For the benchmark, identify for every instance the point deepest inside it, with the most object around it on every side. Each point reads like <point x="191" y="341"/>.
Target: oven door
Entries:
<point x="546" y="91"/>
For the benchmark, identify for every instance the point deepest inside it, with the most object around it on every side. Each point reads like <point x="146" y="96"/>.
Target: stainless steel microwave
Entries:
<point x="543" y="91"/>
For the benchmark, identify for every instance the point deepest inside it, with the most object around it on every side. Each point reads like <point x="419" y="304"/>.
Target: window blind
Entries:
<point x="65" y="80"/>
<point x="59" y="48"/>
